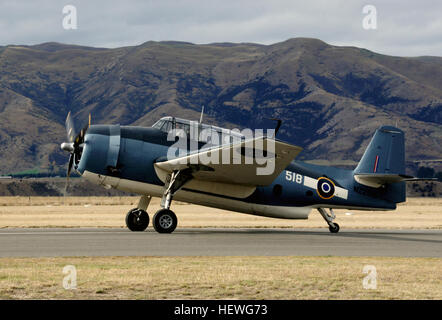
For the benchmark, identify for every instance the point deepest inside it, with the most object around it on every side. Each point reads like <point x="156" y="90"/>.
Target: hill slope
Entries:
<point x="330" y="98"/>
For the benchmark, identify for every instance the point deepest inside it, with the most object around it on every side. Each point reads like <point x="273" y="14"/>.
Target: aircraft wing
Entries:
<point x="259" y="163"/>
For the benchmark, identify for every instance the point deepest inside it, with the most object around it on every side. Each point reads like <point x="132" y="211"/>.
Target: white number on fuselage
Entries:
<point x="293" y="177"/>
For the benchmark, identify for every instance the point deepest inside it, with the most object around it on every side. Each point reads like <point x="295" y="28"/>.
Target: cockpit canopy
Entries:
<point x="166" y="124"/>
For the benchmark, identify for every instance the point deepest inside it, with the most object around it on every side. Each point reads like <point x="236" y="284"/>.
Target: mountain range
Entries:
<point x="331" y="98"/>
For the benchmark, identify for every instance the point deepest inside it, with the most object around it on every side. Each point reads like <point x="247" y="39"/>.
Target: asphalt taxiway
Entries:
<point x="219" y="242"/>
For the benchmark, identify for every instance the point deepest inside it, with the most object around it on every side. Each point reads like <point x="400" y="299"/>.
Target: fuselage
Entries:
<point x="123" y="157"/>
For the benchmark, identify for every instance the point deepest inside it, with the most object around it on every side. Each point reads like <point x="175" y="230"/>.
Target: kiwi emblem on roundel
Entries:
<point x="325" y="188"/>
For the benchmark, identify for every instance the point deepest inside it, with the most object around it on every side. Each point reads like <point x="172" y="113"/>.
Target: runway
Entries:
<point x="219" y="242"/>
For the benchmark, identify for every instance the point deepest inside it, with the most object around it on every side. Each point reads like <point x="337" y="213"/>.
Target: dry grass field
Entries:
<point x="221" y="278"/>
<point x="214" y="277"/>
<point x="416" y="213"/>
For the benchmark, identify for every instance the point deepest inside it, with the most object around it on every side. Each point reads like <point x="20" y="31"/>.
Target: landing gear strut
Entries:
<point x="165" y="220"/>
<point x="332" y="226"/>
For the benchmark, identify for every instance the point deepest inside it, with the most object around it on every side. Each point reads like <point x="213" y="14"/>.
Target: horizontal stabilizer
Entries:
<point x="376" y="180"/>
<point x="421" y="179"/>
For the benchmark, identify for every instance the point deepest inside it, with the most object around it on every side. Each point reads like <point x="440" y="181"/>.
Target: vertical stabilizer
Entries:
<point x="385" y="154"/>
<point x="382" y="166"/>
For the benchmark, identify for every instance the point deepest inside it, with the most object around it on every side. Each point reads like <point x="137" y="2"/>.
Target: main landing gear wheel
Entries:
<point x="334" y="229"/>
<point x="137" y="220"/>
<point x="165" y="221"/>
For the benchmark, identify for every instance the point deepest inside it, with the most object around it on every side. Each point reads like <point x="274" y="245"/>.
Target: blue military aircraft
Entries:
<point x="138" y="160"/>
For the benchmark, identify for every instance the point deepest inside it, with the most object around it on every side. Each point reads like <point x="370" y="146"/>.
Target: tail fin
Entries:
<point x="385" y="154"/>
<point x="383" y="164"/>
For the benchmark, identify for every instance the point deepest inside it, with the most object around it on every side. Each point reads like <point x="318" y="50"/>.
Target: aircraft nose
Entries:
<point x="93" y="153"/>
<point x="101" y="149"/>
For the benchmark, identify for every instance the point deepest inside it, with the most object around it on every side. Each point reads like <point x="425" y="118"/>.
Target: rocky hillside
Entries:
<point x="331" y="99"/>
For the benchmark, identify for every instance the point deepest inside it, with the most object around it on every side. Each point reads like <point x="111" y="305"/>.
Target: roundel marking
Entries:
<point x="325" y="188"/>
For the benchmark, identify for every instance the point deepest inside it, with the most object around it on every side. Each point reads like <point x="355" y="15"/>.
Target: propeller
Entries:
<point x="74" y="145"/>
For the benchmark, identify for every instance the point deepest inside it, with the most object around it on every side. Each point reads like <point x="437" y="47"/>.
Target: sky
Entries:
<point x="400" y="28"/>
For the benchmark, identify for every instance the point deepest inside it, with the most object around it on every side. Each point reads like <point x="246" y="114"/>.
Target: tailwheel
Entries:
<point x="165" y="221"/>
<point x="137" y="220"/>
<point x="334" y="228"/>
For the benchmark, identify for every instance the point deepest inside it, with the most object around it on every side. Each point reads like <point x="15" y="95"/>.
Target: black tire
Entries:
<point x="137" y="220"/>
<point x="165" y="221"/>
<point x="334" y="229"/>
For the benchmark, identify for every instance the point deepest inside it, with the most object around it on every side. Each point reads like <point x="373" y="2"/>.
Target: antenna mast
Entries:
<point x="202" y="112"/>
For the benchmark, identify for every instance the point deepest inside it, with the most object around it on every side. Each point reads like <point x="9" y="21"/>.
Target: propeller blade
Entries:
<point x="79" y="139"/>
<point x="68" y="173"/>
<point x="70" y="165"/>
<point x="74" y="144"/>
<point x="70" y="129"/>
